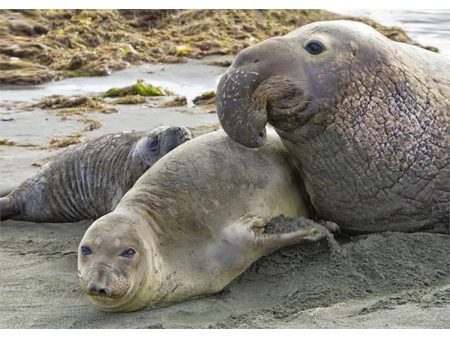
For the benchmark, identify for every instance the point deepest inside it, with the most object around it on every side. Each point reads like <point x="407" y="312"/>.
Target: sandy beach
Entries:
<point x="388" y="280"/>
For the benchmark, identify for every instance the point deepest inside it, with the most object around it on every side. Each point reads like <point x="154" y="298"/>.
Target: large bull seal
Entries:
<point x="191" y="224"/>
<point x="366" y="119"/>
<point x="88" y="181"/>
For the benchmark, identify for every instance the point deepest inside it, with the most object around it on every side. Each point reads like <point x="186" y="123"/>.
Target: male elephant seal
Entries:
<point x="366" y="119"/>
<point x="191" y="224"/>
<point x="88" y="181"/>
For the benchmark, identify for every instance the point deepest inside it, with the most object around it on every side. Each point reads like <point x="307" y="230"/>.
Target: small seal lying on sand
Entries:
<point x="191" y="224"/>
<point x="87" y="181"/>
<point x="366" y="119"/>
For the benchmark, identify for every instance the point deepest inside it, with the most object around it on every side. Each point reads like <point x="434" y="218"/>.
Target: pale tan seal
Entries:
<point x="191" y="224"/>
<point x="88" y="180"/>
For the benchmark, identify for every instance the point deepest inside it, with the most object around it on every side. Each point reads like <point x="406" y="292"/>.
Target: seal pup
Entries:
<point x="366" y="120"/>
<point x="191" y="224"/>
<point x="88" y="180"/>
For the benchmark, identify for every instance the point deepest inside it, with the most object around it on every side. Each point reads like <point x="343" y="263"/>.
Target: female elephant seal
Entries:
<point x="366" y="119"/>
<point x="191" y="224"/>
<point x="88" y="181"/>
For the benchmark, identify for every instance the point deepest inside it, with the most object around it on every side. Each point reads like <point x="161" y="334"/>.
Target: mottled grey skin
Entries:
<point x="195" y="220"/>
<point x="88" y="180"/>
<point x="367" y="122"/>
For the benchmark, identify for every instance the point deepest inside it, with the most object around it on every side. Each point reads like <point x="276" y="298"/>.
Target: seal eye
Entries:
<point x="85" y="250"/>
<point x="314" y="47"/>
<point x="128" y="253"/>
<point x="154" y="145"/>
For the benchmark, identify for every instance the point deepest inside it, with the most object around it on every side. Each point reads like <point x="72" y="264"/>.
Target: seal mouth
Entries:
<point x="104" y="298"/>
<point x="112" y="302"/>
<point x="288" y="117"/>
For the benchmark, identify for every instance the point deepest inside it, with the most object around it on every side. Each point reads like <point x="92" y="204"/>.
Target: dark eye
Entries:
<point x="314" y="47"/>
<point x="85" y="250"/>
<point x="128" y="253"/>
<point x="154" y="144"/>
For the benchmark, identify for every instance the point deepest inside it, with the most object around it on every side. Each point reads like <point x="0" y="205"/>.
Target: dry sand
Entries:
<point x="387" y="280"/>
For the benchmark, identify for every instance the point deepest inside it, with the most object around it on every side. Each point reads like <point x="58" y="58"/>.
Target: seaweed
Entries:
<point x="77" y="105"/>
<point x="129" y="99"/>
<point x="178" y="101"/>
<point x="63" y="142"/>
<point x="139" y="88"/>
<point x="54" y="44"/>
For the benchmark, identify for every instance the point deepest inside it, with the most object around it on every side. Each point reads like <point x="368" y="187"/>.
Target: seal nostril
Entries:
<point x="99" y="291"/>
<point x="103" y="292"/>
<point x="256" y="61"/>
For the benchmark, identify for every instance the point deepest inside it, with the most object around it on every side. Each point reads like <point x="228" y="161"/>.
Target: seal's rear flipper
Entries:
<point x="7" y="209"/>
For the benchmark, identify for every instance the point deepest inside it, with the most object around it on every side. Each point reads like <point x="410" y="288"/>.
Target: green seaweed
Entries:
<point x="113" y="92"/>
<point x="144" y="89"/>
<point x="139" y="88"/>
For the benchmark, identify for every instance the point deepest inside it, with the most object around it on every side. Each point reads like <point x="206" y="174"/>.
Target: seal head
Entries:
<point x="290" y="81"/>
<point x="111" y="264"/>
<point x="159" y="142"/>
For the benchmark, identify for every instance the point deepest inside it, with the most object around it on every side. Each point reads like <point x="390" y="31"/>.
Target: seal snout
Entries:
<point x="96" y="290"/>
<point x="112" y="287"/>
<point x="264" y="82"/>
<point x="172" y="137"/>
<point x="184" y="134"/>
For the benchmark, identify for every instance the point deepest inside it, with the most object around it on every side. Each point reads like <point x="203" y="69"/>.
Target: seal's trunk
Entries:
<point x="238" y="114"/>
<point x="7" y="209"/>
<point x="241" y="100"/>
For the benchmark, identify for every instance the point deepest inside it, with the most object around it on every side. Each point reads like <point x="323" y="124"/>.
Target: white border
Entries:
<point x="179" y="4"/>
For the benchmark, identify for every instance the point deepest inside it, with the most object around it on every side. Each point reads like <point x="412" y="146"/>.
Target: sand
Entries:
<point x="387" y="280"/>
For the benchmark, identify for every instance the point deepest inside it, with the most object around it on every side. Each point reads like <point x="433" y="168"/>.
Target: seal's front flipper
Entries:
<point x="7" y="209"/>
<point x="313" y="232"/>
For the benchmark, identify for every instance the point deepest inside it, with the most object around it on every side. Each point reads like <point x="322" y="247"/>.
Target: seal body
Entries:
<point x="366" y="120"/>
<point x="191" y="224"/>
<point x="87" y="181"/>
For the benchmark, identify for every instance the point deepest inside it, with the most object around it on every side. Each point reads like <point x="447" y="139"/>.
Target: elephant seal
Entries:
<point x="191" y="224"/>
<point x="366" y="120"/>
<point x="88" y="180"/>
